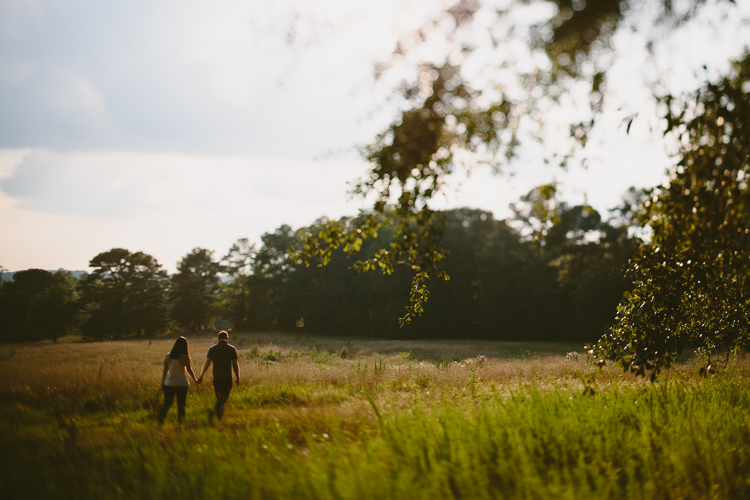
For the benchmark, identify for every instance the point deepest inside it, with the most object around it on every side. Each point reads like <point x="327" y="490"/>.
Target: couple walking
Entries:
<point x="175" y="382"/>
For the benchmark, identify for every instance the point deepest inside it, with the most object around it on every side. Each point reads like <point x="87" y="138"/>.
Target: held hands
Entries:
<point x="237" y="381"/>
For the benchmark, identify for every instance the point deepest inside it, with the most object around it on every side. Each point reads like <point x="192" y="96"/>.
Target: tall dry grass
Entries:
<point x="80" y="418"/>
<point x="122" y="370"/>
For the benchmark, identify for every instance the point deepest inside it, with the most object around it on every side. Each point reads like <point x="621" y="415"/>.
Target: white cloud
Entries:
<point x="88" y="202"/>
<point x="192" y="77"/>
<point x="77" y="94"/>
<point x="10" y="159"/>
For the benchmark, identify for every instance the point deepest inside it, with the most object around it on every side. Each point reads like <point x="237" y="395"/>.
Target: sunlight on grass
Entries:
<point x="389" y="420"/>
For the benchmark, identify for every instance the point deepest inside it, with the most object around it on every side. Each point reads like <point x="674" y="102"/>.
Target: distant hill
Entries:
<point x="9" y="275"/>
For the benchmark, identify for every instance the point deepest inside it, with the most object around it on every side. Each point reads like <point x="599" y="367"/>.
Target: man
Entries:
<point x="224" y="357"/>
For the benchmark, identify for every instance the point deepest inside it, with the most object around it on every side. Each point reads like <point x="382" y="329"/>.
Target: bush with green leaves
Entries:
<point x="692" y="280"/>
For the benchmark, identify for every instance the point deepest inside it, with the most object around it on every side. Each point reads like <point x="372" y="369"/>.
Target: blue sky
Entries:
<point x="165" y="125"/>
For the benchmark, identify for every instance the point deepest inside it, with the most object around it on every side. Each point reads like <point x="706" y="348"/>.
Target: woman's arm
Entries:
<point x="190" y="368"/>
<point x="166" y="370"/>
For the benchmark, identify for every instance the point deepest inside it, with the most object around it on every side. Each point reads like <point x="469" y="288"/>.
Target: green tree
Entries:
<point x="125" y="295"/>
<point x="692" y="280"/>
<point x="238" y="263"/>
<point x="55" y="311"/>
<point x="584" y="256"/>
<point x="506" y="284"/>
<point x="259" y="295"/>
<point x="589" y="256"/>
<point x="271" y="271"/>
<point x="37" y="305"/>
<point x="482" y="257"/>
<point x="195" y="290"/>
<point x="337" y="299"/>
<point x="17" y="296"/>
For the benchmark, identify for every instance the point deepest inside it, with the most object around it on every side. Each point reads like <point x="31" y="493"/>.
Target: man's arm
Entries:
<point x="203" y="370"/>
<point x="236" y="368"/>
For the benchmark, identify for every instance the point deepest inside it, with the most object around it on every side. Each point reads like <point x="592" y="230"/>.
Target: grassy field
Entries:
<point x="382" y="419"/>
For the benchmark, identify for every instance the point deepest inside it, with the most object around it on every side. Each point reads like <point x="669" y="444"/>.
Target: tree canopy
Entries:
<point x="125" y="295"/>
<point x="37" y="305"/>
<point x="195" y="290"/>
<point x="503" y="285"/>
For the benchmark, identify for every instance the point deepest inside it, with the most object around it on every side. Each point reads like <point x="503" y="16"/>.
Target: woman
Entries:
<point x="174" y="379"/>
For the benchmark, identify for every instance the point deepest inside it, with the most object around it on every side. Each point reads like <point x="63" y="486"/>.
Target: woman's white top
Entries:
<point x="177" y="375"/>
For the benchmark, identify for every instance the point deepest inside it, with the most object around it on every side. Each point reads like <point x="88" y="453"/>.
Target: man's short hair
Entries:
<point x="223" y="335"/>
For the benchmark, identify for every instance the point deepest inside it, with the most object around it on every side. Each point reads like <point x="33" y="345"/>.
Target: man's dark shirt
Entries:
<point x="222" y="355"/>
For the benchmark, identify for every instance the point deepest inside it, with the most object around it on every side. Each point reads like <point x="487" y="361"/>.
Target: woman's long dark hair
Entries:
<point x="179" y="348"/>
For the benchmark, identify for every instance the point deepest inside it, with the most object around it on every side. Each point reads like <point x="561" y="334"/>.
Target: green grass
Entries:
<point x="382" y="424"/>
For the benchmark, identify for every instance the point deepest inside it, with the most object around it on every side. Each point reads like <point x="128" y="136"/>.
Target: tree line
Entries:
<point x="506" y="282"/>
<point x="128" y="294"/>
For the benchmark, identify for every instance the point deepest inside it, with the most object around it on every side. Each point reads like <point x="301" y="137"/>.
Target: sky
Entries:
<point x="165" y="125"/>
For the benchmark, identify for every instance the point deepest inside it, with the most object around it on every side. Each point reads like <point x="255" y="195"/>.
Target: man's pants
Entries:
<point x="222" y="388"/>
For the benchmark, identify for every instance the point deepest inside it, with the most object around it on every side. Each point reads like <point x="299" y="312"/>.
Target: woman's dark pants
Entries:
<point x="169" y="393"/>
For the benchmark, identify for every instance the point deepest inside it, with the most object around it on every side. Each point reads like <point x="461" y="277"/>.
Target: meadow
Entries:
<point x="323" y="417"/>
